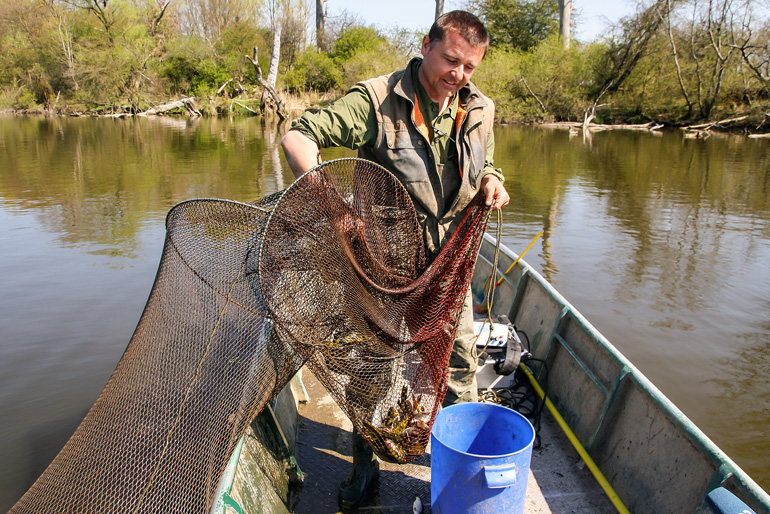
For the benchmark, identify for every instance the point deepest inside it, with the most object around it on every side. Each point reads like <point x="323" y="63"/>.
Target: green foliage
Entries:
<point x="377" y="60"/>
<point x="519" y="24"/>
<point x="24" y="100"/>
<point x="548" y="82"/>
<point x="354" y="40"/>
<point x="130" y="53"/>
<point x="313" y="70"/>
<point x="358" y="53"/>
<point x="236" y="41"/>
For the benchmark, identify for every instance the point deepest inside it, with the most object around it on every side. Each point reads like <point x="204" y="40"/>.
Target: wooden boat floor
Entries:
<point x="558" y="481"/>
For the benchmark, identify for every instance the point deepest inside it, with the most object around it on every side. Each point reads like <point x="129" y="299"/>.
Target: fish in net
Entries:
<point x="330" y="273"/>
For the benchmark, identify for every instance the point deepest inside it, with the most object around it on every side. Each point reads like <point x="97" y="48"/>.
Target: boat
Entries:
<point x="644" y="454"/>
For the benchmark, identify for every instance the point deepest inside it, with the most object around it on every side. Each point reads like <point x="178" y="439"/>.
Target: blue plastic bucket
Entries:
<point x="480" y="454"/>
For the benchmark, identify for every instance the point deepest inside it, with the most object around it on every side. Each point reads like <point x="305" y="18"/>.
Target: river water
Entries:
<point x="662" y="242"/>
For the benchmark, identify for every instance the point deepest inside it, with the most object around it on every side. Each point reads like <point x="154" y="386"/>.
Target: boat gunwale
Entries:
<point x="725" y="466"/>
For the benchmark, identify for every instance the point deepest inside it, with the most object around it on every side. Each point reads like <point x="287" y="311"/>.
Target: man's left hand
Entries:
<point x="494" y="192"/>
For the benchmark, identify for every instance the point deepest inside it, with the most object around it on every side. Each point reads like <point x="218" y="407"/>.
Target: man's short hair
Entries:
<point x="463" y="23"/>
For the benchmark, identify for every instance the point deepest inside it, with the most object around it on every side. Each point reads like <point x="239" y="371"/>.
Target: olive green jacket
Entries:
<point x="441" y="195"/>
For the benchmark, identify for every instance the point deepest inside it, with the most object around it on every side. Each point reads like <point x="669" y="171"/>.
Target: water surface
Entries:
<point x="662" y="243"/>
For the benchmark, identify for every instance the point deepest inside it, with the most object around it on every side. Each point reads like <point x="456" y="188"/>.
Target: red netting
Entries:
<point x="330" y="272"/>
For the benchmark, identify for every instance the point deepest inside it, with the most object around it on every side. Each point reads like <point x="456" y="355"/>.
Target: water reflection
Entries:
<point x="82" y="208"/>
<point x="661" y="242"/>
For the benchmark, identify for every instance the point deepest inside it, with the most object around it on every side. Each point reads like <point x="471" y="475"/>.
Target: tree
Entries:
<point x="565" y="15"/>
<point x="60" y="14"/>
<point x="273" y="7"/>
<point x="675" y="54"/>
<point x="208" y="19"/>
<point x="714" y="39"/>
<point x="320" y="24"/>
<point x="756" y="54"/>
<point x="520" y="24"/>
<point x="353" y="40"/>
<point x="624" y="51"/>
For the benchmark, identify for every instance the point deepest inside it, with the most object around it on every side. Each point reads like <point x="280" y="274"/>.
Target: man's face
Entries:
<point x="447" y="65"/>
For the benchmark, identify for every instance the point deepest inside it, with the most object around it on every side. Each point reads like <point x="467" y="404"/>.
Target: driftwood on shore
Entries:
<point x="571" y="125"/>
<point x="184" y="103"/>
<point x="700" y="130"/>
<point x="712" y="124"/>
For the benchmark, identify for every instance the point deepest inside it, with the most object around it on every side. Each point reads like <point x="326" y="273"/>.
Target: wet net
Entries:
<point x="330" y="273"/>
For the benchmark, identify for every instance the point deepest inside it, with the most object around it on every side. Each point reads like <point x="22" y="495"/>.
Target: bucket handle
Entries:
<point x="503" y="475"/>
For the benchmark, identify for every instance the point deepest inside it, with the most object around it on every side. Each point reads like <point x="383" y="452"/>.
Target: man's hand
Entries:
<point x="494" y="192"/>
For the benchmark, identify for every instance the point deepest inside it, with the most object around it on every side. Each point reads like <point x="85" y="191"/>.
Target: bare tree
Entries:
<point x="755" y="51"/>
<point x="296" y="16"/>
<point x="320" y="24"/>
<point x="624" y="52"/>
<point x="757" y="57"/>
<point x="104" y="11"/>
<point x="273" y="8"/>
<point x="714" y="39"/>
<point x="161" y="6"/>
<point x="210" y="18"/>
<point x="272" y="72"/>
<point x="675" y="53"/>
<point x="275" y="101"/>
<point x="565" y="15"/>
<point x="65" y="38"/>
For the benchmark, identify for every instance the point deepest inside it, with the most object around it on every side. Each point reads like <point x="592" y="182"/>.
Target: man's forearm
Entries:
<point x="301" y="152"/>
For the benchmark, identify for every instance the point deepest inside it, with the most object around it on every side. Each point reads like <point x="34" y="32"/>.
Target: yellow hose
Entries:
<point x="608" y="490"/>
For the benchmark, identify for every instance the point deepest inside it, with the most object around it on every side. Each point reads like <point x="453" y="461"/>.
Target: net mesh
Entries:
<point x="331" y="273"/>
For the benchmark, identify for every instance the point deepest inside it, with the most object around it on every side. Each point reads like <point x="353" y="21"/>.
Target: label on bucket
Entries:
<point x="501" y="476"/>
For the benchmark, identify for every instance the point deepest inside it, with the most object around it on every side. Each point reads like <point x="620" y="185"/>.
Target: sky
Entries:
<point x="593" y="16"/>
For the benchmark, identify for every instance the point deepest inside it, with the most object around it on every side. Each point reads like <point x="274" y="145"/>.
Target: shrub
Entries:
<point x="354" y="40"/>
<point x="313" y="70"/>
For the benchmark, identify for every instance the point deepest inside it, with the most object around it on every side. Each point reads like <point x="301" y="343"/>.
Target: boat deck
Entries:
<point x="558" y="481"/>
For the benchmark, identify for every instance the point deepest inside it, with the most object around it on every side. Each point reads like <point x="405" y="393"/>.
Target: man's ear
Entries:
<point x="425" y="45"/>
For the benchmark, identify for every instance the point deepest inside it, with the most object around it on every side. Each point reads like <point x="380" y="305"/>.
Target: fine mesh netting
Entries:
<point x="330" y="273"/>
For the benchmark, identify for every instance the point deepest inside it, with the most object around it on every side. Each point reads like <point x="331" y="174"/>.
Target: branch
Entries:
<point x="222" y="87"/>
<point x="239" y="104"/>
<point x="534" y="95"/>
<point x="676" y="58"/>
<point x="278" y="105"/>
<point x="156" y="20"/>
<point x="587" y="118"/>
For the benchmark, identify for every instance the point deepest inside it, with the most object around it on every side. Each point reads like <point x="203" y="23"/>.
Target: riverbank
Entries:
<point x="752" y="124"/>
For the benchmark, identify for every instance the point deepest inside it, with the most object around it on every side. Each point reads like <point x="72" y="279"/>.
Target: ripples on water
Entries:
<point x="662" y="243"/>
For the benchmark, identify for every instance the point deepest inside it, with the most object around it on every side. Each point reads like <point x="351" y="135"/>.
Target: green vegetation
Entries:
<point x="674" y="61"/>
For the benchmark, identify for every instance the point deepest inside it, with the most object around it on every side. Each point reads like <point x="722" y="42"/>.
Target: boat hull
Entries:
<point x="652" y="455"/>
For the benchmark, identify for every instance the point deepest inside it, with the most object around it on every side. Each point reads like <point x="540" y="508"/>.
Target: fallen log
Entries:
<point x="239" y="104"/>
<point x="572" y="125"/>
<point x="712" y="124"/>
<point x="186" y="103"/>
<point x="624" y="126"/>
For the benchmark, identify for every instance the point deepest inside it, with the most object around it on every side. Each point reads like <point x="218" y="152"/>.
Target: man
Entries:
<point x="432" y="128"/>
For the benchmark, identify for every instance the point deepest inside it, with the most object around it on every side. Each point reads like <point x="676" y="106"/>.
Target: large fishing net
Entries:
<point x="331" y="273"/>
